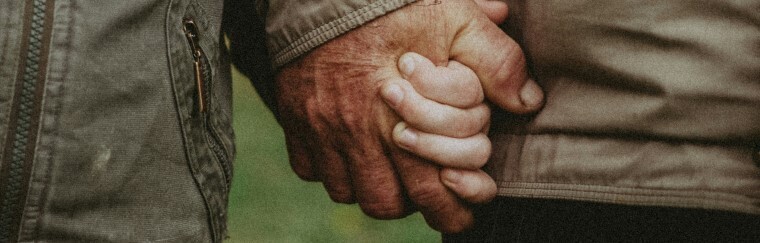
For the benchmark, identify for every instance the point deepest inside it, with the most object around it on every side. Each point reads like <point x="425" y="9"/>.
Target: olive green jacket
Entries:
<point x="653" y="104"/>
<point x="115" y="121"/>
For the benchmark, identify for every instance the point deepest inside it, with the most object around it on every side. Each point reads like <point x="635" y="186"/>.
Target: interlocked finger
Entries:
<point x="466" y="153"/>
<point x="474" y="186"/>
<point x="433" y="117"/>
<point x="455" y="84"/>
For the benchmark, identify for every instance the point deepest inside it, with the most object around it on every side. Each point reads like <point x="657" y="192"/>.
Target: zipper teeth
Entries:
<point x="26" y="106"/>
<point x="215" y="142"/>
<point x="219" y="152"/>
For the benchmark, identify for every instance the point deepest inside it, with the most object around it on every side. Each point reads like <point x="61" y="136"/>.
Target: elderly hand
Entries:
<point x="340" y="131"/>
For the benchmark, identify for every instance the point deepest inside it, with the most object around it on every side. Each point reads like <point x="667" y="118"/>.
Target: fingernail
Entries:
<point x="531" y="94"/>
<point x="393" y="94"/>
<point x="406" y="64"/>
<point x="452" y="176"/>
<point x="407" y="137"/>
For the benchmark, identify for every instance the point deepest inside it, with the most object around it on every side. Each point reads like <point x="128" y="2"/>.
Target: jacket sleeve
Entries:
<point x="295" y="27"/>
<point x="267" y="34"/>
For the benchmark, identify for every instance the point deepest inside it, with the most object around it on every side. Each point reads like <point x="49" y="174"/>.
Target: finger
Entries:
<point x="463" y="153"/>
<point x="300" y="159"/>
<point x="474" y="186"/>
<point x="500" y="65"/>
<point x="496" y="11"/>
<point x="335" y="178"/>
<point x="455" y="85"/>
<point x="441" y="208"/>
<point x="376" y="186"/>
<point x="297" y="142"/>
<point x="433" y="117"/>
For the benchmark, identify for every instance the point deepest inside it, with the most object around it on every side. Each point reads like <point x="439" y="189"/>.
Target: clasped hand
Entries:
<point x="392" y="116"/>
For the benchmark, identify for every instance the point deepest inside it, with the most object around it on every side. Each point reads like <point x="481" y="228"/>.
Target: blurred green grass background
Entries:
<point x="269" y="203"/>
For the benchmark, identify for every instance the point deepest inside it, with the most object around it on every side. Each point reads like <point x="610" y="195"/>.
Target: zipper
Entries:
<point x="18" y="154"/>
<point x="191" y="33"/>
<point x="203" y="78"/>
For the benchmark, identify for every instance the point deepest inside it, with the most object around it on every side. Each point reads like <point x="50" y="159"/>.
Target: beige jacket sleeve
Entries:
<point x="265" y="35"/>
<point x="294" y="27"/>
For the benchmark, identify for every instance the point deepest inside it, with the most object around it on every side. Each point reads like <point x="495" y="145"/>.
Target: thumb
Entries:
<point x="499" y="63"/>
<point x="495" y="10"/>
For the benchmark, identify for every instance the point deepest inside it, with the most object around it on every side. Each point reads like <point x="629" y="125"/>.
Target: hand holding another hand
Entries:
<point x="340" y="131"/>
<point x="445" y="120"/>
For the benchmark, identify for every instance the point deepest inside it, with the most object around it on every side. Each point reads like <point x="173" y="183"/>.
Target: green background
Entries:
<point x="269" y="203"/>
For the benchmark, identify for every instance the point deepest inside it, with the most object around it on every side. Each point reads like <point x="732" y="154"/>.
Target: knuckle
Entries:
<point x="452" y="227"/>
<point x="428" y="197"/>
<point x="348" y="117"/>
<point x="481" y="118"/>
<point x="406" y="109"/>
<point x="483" y="112"/>
<point x="455" y="222"/>
<point x="510" y="68"/>
<point x="472" y="95"/>
<point x="484" y="149"/>
<point x="470" y="90"/>
<point x="419" y="114"/>
<point x="471" y="122"/>
<point x="305" y="174"/>
<point x="300" y="163"/>
<point x="341" y="196"/>
<point x="383" y="210"/>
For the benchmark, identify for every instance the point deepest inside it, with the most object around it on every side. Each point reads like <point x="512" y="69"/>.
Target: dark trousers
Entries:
<point x="537" y="220"/>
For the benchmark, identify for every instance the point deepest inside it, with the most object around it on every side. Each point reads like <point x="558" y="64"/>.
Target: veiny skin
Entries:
<point x="339" y="130"/>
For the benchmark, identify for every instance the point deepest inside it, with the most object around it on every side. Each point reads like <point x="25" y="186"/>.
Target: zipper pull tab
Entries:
<point x="191" y="33"/>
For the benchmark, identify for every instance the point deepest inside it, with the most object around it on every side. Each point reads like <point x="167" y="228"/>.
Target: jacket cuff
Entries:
<point x="295" y="28"/>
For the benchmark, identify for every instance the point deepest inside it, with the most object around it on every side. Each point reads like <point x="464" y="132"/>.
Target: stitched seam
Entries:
<point x="742" y="207"/>
<point x="185" y="129"/>
<point x="719" y="197"/>
<point x="505" y="184"/>
<point x="52" y="106"/>
<point x="328" y="31"/>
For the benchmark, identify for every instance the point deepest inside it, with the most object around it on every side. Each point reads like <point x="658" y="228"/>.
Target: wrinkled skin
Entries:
<point x="339" y="130"/>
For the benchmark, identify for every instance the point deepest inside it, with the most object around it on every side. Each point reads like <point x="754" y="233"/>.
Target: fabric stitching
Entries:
<point x="315" y="32"/>
<point x="325" y="32"/>
<point x="721" y="201"/>
<point x="308" y="37"/>
<point x="189" y="151"/>
<point x="53" y="109"/>
<point x="593" y="199"/>
<point x="503" y="183"/>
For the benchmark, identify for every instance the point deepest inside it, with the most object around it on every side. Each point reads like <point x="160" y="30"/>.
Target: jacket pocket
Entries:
<point x="203" y="77"/>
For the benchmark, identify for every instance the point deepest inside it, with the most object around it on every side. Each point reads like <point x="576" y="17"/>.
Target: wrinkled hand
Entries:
<point x="339" y="130"/>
